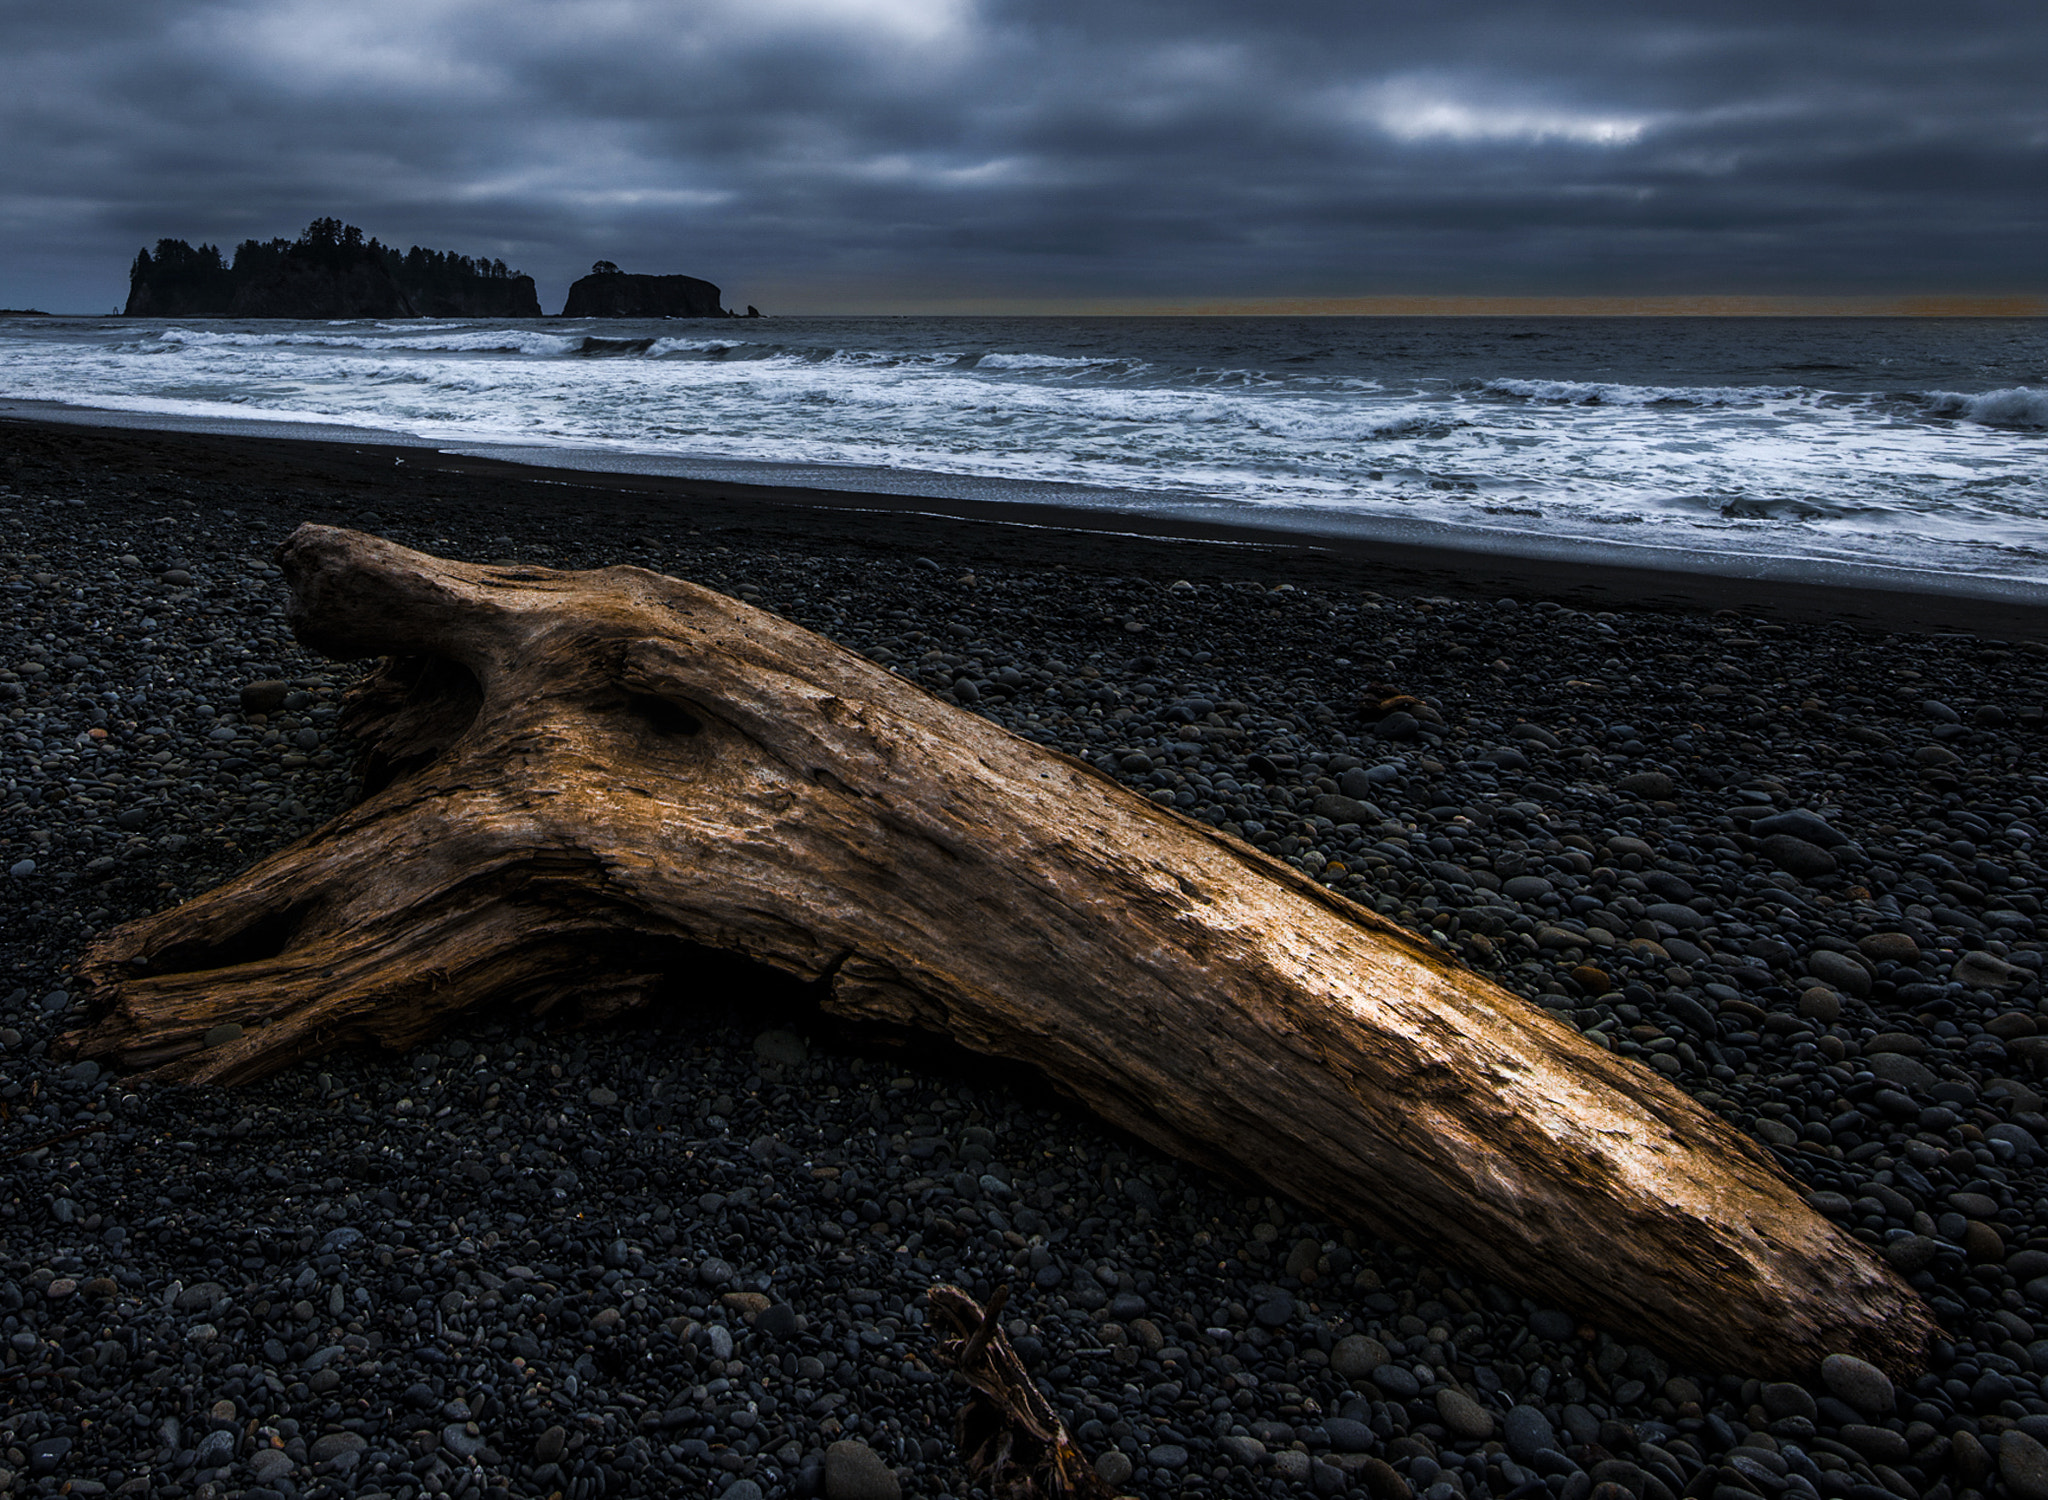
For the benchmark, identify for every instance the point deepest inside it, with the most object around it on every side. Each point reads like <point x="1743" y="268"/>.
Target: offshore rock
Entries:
<point x="620" y="294"/>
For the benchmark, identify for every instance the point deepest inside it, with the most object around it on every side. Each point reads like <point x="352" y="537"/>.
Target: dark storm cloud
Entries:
<point x="901" y="152"/>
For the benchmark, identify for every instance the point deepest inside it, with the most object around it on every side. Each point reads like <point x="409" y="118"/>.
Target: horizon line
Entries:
<point x="1713" y="305"/>
<point x="1706" y="305"/>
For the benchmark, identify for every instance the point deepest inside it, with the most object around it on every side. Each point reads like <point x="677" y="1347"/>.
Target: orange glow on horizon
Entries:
<point x="1916" y="305"/>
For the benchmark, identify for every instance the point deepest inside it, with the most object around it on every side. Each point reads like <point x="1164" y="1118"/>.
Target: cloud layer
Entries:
<point x="871" y="154"/>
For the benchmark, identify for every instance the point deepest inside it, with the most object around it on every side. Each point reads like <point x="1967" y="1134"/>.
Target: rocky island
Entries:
<point x="608" y="292"/>
<point x="330" y="271"/>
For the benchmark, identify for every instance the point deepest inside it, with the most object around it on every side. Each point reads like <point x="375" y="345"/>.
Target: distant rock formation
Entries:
<point x="608" y="292"/>
<point x="330" y="271"/>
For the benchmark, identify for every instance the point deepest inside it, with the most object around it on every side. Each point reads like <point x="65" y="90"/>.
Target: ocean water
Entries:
<point x="1805" y="446"/>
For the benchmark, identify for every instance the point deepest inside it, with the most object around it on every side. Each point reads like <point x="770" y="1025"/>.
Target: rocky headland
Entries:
<point x="330" y="271"/>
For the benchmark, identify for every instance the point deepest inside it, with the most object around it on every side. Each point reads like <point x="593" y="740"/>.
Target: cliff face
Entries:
<point x="330" y="271"/>
<point x="481" y="297"/>
<point x="299" y="289"/>
<point x="615" y="294"/>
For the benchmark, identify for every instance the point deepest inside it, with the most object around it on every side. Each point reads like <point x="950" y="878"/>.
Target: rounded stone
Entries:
<point x="854" y="1471"/>
<point x="1113" y="1468"/>
<point x="1356" y="1356"/>
<point x="1349" y="1436"/>
<point x="1528" y="1432"/>
<point x="1467" y="1420"/>
<point x="1781" y="1398"/>
<point x="1653" y="786"/>
<point x="1821" y="1004"/>
<point x="1839" y="971"/>
<point x="1892" y="947"/>
<point x="1858" y="1382"/>
<point x="1795" y="856"/>
<point x="264" y="697"/>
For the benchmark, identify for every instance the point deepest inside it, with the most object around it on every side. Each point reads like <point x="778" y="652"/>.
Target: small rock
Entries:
<point x="1983" y="1244"/>
<point x="1653" y="786"/>
<point x="331" y="1445"/>
<point x="216" y="1450"/>
<point x="1800" y="824"/>
<point x="1984" y="971"/>
<point x="1893" y="1067"/>
<point x="264" y="697"/>
<point x="854" y="1471"/>
<point x="1781" y="1398"/>
<point x="1349" y="1436"/>
<point x="1857" y="1382"/>
<point x="1795" y="856"/>
<point x="1356" y="1356"/>
<point x="1892" y="947"/>
<point x="268" y="1465"/>
<point x="1527" y="1432"/>
<point x="1292" y="1465"/>
<point x="45" y="1454"/>
<point x="1467" y="1419"/>
<point x="1878" y="1444"/>
<point x="1839" y="971"/>
<point x="1821" y="1004"/>
<point x="548" y="1447"/>
<point x="1383" y="1481"/>
<point x="1341" y="809"/>
<point x="1113" y="1468"/>
<point x="1911" y="1253"/>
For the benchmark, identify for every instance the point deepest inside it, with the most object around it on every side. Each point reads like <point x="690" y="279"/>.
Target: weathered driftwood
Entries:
<point x="1012" y="1441"/>
<point x="580" y="778"/>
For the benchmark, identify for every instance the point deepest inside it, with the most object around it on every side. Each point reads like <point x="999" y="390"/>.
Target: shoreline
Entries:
<point x="407" y="471"/>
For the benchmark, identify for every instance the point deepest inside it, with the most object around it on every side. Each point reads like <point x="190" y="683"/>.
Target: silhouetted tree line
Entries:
<point x="330" y="270"/>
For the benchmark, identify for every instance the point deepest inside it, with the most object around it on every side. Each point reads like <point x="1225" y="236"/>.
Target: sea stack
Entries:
<point x="608" y="292"/>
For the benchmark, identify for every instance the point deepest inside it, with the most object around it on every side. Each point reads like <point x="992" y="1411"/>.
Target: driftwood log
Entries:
<point x="578" y="781"/>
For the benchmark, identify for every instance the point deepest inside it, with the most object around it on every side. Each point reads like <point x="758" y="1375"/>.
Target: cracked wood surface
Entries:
<point x="579" y="780"/>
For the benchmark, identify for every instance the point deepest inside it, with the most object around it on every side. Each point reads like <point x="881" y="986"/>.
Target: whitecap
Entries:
<point x="2015" y="406"/>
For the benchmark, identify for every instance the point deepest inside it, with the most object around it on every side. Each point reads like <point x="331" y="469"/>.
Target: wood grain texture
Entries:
<point x="580" y="776"/>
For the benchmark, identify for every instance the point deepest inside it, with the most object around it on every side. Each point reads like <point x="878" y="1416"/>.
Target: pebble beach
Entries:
<point x="1782" y="847"/>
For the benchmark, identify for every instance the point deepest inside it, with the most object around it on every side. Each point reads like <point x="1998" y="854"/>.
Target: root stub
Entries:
<point x="1009" y="1436"/>
<point x="579" y="782"/>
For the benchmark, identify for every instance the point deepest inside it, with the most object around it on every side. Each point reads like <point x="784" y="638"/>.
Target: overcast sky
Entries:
<point x="872" y="155"/>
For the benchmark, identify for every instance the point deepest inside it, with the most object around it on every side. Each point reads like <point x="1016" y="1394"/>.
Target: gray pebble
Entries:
<point x="1466" y="1418"/>
<point x="1527" y="1432"/>
<point x="216" y="1449"/>
<point x="1857" y="1382"/>
<point x="1356" y="1356"/>
<point x="854" y="1471"/>
<point x="2023" y="1465"/>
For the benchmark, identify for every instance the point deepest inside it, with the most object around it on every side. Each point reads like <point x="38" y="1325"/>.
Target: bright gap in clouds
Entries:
<point x="1411" y="113"/>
